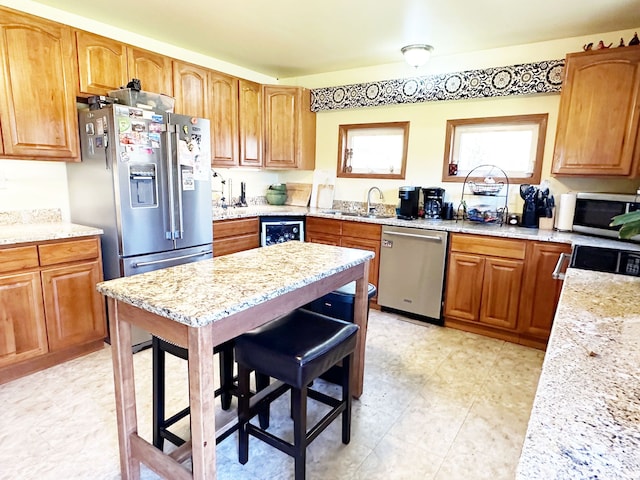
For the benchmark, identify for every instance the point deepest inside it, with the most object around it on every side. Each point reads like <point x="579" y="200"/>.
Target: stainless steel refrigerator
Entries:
<point x="145" y="179"/>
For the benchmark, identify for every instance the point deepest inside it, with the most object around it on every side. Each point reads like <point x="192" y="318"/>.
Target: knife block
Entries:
<point x="545" y="223"/>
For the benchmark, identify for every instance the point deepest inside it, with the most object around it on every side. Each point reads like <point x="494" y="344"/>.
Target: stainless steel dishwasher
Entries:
<point x="412" y="263"/>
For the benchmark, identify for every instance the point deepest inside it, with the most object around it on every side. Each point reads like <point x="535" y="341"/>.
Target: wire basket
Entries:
<point x="485" y="188"/>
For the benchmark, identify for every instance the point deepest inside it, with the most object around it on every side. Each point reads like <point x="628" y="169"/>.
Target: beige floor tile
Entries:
<point x="438" y="403"/>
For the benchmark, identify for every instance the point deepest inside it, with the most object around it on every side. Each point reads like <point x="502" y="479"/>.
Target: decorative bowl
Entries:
<point x="275" y="197"/>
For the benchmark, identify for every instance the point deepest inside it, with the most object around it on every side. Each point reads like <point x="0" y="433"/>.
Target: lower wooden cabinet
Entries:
<point x="502" y="287"/>
<point x="345" y="233"/>
<point x="235" y="235"/>
<point x="50" y="310"/>
<point x="22" y="326"/>
<point x="72" y="309"/>
<point x="538" y="305"/>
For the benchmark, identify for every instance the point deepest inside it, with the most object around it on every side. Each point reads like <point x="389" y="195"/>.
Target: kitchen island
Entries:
<point x="200" y="305"/>
<point x="585" y="421"/>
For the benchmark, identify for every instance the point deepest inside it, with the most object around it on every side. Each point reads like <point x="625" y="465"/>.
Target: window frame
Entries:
<point x="539" y="119"/>
<point x="343" y="133"/>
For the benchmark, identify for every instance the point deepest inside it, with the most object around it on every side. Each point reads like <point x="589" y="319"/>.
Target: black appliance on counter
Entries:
<point x="603" y="259"/>
<point x="409" y="200"/>
<point x="433" y="202"/>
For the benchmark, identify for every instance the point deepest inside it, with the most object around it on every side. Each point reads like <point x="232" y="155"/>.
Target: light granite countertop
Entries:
<point x="199" y="293"/>
<point x="38" y="232"/>
<point x="505" y="231"/>
<point x="585" y="421"/>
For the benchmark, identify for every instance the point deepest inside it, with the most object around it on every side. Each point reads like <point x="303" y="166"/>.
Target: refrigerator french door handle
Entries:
<point x="180" y="233"/>
<point x="168" y="159"/>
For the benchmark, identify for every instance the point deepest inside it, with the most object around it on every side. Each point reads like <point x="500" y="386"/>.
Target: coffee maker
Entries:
<point x="433" y="202"/>
<point x="409" y="199"/>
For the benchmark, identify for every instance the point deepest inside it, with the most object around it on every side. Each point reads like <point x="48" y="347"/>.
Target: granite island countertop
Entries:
<point x="199" y="293"/>
<point x="585" y="421"/>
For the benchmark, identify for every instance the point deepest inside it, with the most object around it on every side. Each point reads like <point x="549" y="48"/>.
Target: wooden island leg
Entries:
<point x="201" y="400"/>
<point x="122" y="356"/>
<point x="360" y="318"/>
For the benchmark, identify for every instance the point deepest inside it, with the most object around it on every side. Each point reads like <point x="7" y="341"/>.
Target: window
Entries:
<point x="513" y="143"/>
<point x="373" y="150"/>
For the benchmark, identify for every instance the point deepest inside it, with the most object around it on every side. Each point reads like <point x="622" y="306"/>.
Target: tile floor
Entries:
<point x="438" y="404"/>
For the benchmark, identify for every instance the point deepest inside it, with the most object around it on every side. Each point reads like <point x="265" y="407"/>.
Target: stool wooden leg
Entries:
<point x="346" y="398"/>
<point x="158" y="366"/>
<point x="299" y="411"/>
<point x="226" y="375"/>
<point x="243" y="414"/>
<point x="262" y="382"/>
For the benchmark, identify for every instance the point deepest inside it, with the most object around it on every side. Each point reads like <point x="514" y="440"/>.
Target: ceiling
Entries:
<point x="289" y="38"/>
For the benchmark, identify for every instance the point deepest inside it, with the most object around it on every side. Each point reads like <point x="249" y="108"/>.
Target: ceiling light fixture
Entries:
<point x="417" y="54"/>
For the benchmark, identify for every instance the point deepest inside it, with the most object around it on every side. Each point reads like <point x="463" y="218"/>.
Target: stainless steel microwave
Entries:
<point x="594" y="212"/>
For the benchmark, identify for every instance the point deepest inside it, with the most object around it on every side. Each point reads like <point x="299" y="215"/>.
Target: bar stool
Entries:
<point x="339" y="304"/>
<point x="295" y="350"/>
<point x="227" y="389"/>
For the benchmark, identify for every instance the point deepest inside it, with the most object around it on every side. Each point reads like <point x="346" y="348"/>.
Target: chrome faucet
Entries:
<point x="371" y="209"/>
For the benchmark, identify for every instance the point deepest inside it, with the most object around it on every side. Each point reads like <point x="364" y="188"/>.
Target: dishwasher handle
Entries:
<point x="414" y="235"/>
<point x="557" y="274"/>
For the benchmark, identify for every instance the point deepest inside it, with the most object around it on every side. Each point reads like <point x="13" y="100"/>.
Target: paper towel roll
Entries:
<point x="564" y="216"/>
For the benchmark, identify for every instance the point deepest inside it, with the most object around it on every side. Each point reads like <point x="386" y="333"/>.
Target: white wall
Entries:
<point x="26" y="185"/>
<point x="33" y="184"/>
<point x="428" y="120"/>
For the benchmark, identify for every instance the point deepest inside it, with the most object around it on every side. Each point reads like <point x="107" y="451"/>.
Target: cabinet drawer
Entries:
<point x="75" y="250"/>
<point x="18" y="258"/>
<point x="240" y="243"/>
<point x="492" y="246"/>
<point x="361" y="230"/>
<point x="324" y="225"/>
<point x="235" y="227"/>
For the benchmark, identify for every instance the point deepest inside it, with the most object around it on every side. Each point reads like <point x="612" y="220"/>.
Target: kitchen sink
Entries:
<point x="356" y="214"/>
<point x="364" y="215"/>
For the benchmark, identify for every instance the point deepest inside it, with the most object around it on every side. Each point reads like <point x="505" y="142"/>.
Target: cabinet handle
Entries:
<point x="557" y="275"/>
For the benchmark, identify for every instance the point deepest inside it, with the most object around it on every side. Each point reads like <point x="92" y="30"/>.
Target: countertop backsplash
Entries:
<point x="40" y="215"/>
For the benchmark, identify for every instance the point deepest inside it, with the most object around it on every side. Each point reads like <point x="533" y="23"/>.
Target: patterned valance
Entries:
<point x="523" y="79"/>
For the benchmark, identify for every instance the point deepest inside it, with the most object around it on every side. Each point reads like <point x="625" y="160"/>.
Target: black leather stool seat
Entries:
<point x="295" y="349"/>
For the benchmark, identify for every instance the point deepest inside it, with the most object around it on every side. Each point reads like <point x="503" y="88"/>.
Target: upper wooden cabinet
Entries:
<point x="154" y="71"/>
<point x="224" y="119"/>
<point x="191" y="89"/>
<point x="38" y="113"/>
<point x="289" y="128"/>
<point x="599" y="114"/>
<point x="105" y="64"/>
<point x="250" y="123"/>
<point x="236" y="122"/>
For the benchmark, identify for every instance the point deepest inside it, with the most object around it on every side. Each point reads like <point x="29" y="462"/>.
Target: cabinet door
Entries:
<point x="102" y="63"/>
<point x="152" y="69"/>
<point x="250" y="123"/>
<point x="599" y="112"/>
<point x="224" y="119"/>
<point x="74" y="309"/>
<point x="366" y="244"/>
<point x="38" y="88"/>
<point x="501" y="292"/>
<point x="281" y="116"/>
<point x="22" y="328"/>
<point x="191" y="89"/>
<point x="464" y="286"/>
<point x="540" y="292"/>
